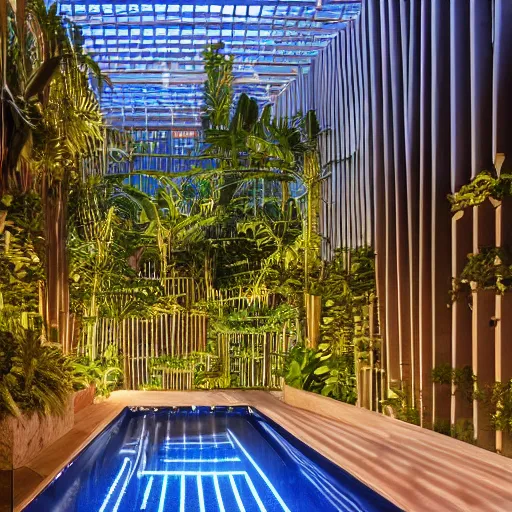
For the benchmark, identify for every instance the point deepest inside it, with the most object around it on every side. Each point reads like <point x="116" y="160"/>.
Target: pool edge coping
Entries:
<point x="104" y="423"/>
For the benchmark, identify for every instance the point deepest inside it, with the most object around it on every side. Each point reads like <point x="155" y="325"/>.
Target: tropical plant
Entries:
<point x="21" y="254"/>
<point x="35" y="376"/>
<point x="321" y="371"/>
<point x="105" y="372"/>
<point x="218" y="92"/>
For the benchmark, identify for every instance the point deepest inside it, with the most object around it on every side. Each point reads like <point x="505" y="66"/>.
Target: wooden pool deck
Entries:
<point x="417" y="469"/>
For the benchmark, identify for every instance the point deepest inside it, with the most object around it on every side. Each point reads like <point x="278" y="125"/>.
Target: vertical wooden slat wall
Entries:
<point x="416" y="97"/>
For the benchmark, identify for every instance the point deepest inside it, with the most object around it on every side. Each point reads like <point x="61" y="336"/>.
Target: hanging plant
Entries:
<point x="482" y="187"/>
<point x="489" y="269"/>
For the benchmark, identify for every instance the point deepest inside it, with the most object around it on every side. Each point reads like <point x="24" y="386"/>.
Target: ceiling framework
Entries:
<point x="152" y="51"/>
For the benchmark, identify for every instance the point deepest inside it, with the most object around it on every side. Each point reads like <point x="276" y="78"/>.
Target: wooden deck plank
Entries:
<point x="419" y="470"/>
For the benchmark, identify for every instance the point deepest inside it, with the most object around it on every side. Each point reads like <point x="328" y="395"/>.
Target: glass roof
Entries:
<point x="152" y="50"/>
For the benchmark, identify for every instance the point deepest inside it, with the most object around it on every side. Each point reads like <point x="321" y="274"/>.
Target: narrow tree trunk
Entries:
<point x="57" y="288"/>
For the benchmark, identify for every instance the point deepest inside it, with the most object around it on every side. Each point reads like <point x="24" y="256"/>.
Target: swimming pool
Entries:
<point x="205" y="459"/>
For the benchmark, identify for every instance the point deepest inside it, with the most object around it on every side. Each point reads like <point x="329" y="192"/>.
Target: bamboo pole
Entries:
<point x="174" y="318"/>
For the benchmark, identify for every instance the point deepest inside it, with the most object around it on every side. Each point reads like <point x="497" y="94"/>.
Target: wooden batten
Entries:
<point x="483" y="351"/>
<point x="460" y="407"/>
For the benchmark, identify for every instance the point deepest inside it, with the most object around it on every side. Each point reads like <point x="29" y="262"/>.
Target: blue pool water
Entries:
<point x="206" y="460"/>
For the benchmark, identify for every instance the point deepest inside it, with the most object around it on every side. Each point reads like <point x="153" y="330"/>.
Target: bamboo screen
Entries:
<point x="180" y="341"/>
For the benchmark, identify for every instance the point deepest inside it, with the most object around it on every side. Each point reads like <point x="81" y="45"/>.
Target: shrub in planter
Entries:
<point x="35" y="376"/>
<point x="35" y="394"/>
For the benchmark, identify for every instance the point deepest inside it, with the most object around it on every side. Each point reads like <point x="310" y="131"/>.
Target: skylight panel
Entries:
<point x="107" y="9"/>
<point x="254" y="10"/>
<point x="187" y="8"/>
<point x="135" y="32"/>
<point x="228" y="10"/>
<point x="241" y="10"/>
<point x="146" y="7"/>
<point x="202" y="8"/>
<point x="173" y="8"/>
<point x="148" y="32"/>
<point x="133" y="8"/>
<point x="121" y="9"/>
<point x="80" y="10"/>
<point x="66" y="9"/>
<point x="160" y="8"/>
<point x="215" y="9"/>
<point x="93" y="9"/>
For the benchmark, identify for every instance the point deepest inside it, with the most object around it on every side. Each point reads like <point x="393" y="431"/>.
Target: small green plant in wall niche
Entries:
<point x="482" y="187"/>
<point x="489" y="269"/>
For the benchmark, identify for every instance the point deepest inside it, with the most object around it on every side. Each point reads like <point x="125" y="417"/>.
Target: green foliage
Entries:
<point x="491" y="268"/>
<point x="182" y="362"/>
<point x="483" y="186"/>
<point x="500" y="399"/>
<point x="321" y="371"/>
<point x="218" y="92"/>
<point x="463" y="379"/>
<point x="212" y="376"/>
<point x="347" y="288"/>
<point x="21" y="253"/>
<point x="50" y="115"/>
<point x="105" y="372"/>
<point x="399" y="402"/>
<point x="112" y="229"/>
<point x="463" y="430"/>
<point x="443" y="427"/>
<point x="35" y="376"/>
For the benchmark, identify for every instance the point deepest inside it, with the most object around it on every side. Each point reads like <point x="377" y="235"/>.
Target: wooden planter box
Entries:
<point x="83" y="398"/>
<point x="21" y="439"/>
